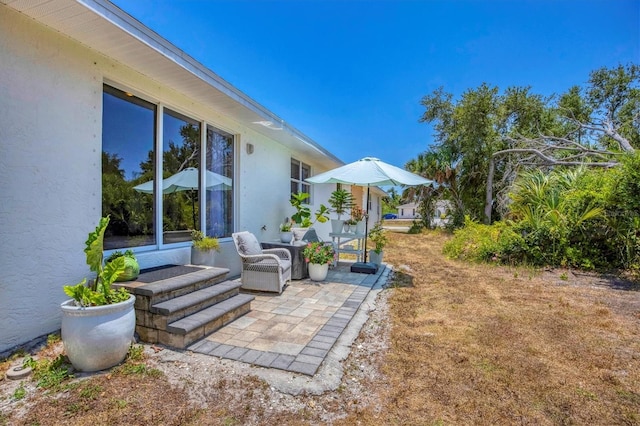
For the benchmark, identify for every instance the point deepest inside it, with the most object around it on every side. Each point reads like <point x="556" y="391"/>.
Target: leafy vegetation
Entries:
<point x="99" y="291"/>
<point x="487" y="138"/>
<point x="578" y="217"/>
<point x="203" y="242"/>
<point x="378" y="237"/>
<point x="561" y="175"/>
<point x="302" y="216"/>
<point x="341" y="200"/>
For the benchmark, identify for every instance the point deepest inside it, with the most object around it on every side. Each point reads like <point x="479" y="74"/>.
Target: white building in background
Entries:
<point x="408" y="211"/>
<point x="92" y="103"/>
<point x="439" y="218"/>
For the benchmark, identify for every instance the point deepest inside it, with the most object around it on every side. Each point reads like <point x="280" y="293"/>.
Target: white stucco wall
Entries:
<point x="50" y="171"/>
<point x="50" y="137"/>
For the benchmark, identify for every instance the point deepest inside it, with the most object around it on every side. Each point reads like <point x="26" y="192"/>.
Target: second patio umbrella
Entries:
<point x="369" y="172"/>
<point x="187" y="179"/>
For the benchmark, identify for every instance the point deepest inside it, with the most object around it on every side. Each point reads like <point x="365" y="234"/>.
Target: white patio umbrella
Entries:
<point x="186" y="180"/>
<point x="369" y="172"/>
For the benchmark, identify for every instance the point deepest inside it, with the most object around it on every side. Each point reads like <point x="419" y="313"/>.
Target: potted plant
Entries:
<point x="203" y="248"/>
<point x="341" y="201"/>
<point x="131" y="266"/>
<point x="302" y="216"/>
<point x="350" y="226"/>
<point x="99" y="321"/>
<point x="358" y="215"/>
<point x="319" y="256"/>
<point x="378" y="237"/>
<point x="286" y="235"/>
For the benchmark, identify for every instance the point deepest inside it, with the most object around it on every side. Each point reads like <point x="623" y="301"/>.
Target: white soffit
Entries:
<point x="104" y="27"/>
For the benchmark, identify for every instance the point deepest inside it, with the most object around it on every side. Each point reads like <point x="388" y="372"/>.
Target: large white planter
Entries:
<point x="97" y="337"/>
<point x="202" y="257"/>
<point x="318" y="272"/>
<point x="360" y="227"/>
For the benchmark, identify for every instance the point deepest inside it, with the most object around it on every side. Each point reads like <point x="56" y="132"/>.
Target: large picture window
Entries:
<point x="128" y="135"/>
<point x="219" y="220"/>
<point x="299" y="172"/>
<point x="130" y="194"/>
<point x="180" y="152"/>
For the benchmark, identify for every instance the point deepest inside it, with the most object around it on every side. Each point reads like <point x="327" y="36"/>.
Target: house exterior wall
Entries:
<point x="50" y="168"/>
<point x="50" y="133"/>
<point x="408" y="211"/>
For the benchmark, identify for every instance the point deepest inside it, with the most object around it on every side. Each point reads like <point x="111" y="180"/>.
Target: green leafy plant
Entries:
<point x="341" y="200"/>
<point x="99" y="292"/>
<point x="131" y="266"/>
<point x="19" y="393"/>
<point x="319" y="253"/>
<point x="286" y="225"/>
<point x="203" y="242"/>
<point x="378" y="237"/>
<point x="50" y="374"/>
<point x="303" y="213"/>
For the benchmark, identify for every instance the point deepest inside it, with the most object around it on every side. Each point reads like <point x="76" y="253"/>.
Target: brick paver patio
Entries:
<point x="295" y="330"/>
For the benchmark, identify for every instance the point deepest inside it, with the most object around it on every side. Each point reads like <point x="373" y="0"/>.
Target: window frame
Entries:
<point x="299" y="180"/>
<point x="160" y="109"/>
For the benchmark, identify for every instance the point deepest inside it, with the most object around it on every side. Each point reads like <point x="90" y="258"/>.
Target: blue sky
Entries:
<point x="350" y="74"/>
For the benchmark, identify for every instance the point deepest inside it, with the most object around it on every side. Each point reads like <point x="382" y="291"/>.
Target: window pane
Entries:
<point x="219" y="191"/>
<point x="295" y="169"/>
<point x="128" y="134"/>
<point x="307" y="188"/>
<point x="306" y="171"/>
<point x="294" y="187"/>
<point x="181" y="147"/>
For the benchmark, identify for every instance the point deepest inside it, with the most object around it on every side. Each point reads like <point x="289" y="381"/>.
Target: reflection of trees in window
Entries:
<point x="181" y="149"/>
<point x="128" y="160"/>
<point x="128" y="134"/>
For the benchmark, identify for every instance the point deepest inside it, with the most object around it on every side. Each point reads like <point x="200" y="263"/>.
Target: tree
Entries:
<point x="468" y="132"/>
<point x="442" y="167"/>
<point x="585" y="128"/>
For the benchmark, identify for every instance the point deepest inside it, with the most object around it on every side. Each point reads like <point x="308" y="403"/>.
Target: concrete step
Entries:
<point x="187" y="304"/>
<point x="159" y="291"/>
<point x="187" y="330"/>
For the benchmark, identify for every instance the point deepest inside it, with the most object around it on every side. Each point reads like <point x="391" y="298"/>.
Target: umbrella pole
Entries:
<point x="364" y="267"/>
<point x="366" y="227"/>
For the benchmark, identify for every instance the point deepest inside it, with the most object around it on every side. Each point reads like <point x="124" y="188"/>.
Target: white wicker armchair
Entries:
<point x="262" y="270"/>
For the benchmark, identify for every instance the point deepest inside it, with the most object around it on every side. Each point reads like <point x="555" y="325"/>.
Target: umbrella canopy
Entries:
<point x="185" y="180"/>
<point x="369" y="171"/>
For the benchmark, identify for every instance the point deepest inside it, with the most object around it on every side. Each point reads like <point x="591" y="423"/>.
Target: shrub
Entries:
<point x="481" y="243"/>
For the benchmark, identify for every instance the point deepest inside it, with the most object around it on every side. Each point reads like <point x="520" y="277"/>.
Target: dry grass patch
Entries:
<point x="476" y="344"/>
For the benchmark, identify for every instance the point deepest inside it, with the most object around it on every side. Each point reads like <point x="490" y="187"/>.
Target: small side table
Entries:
<point x="299" y="269"/>
<point x="343" y="238"/>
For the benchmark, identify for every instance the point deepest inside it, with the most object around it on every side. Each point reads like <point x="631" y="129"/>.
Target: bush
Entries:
<point x="583" y="218"/>
<point x="482" y="243"/>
